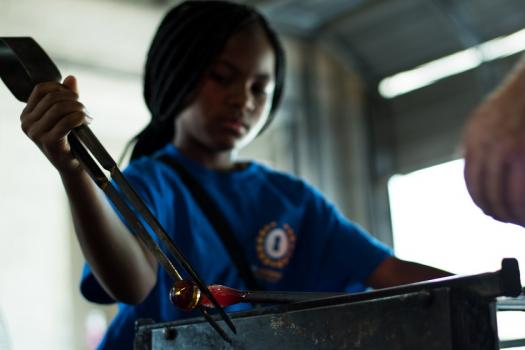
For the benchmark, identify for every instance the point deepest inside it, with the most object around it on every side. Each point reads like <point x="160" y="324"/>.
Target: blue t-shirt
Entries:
<point x="293" y="238"/>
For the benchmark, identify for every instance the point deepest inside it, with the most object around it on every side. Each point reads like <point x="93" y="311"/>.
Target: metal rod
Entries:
<point x="275" y="297"/>
<point x="214" y="324"/>
<point x="504" y="282"/>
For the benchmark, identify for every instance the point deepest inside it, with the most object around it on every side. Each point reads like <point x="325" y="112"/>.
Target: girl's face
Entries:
<point x="234" y="98"/>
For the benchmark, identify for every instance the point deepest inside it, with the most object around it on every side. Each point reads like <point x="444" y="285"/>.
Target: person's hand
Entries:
<point x="494" y="149"/>
<point x="52" y="111"/>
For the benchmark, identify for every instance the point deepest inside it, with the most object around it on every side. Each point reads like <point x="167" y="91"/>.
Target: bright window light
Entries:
<point x="436" y="223"/>
<point x="433" y="217"/>
<point x="455" y="63"/>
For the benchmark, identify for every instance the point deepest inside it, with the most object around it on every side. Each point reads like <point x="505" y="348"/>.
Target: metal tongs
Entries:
<point x="24" y="64"/>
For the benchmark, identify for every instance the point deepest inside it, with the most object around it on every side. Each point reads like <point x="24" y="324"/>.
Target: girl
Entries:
<point x="213" y="80"/>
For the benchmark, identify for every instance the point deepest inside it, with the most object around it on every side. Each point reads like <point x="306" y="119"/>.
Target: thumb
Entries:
<point x="71" y="83"/>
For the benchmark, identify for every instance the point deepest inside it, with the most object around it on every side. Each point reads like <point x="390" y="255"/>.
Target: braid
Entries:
<point x="188" y="39"/>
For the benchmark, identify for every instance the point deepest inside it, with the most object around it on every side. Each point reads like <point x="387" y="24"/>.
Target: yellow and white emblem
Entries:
<point x="275" y="245"/>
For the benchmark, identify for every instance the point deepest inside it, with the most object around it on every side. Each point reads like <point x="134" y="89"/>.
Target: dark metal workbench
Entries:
<point x="449" y="314"/>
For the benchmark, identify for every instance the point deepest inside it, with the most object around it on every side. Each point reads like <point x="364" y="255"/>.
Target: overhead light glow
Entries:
<point x="458" y="62"/>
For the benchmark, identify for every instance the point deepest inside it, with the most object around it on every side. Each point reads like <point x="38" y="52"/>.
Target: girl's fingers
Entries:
<point x="64" y="126"/>
<point x="39" y="91"/>
<point x="44" y="104"/>
<point x="51" y="112"/>
<point x="55" y="146"/>
<point x="56" y="112"/>
<point x="70" y="82"/>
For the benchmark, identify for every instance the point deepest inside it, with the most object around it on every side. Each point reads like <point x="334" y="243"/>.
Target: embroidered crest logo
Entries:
<point x="275" y="245"/>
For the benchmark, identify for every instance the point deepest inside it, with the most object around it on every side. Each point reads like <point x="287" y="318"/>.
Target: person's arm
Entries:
<point x="494" y="149"/>
<point x="123" y="267"/>
<point x="393" y="272"/>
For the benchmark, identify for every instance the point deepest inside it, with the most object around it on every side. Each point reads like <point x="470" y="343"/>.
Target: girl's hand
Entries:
<point x="52" y="111"/>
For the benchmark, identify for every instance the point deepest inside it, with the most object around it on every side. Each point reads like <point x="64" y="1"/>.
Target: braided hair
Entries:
<point x="188" y="40"/>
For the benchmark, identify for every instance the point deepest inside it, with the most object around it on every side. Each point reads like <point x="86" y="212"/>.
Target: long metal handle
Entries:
<point x="83" y="137"/>
<point x="277" y="297"/>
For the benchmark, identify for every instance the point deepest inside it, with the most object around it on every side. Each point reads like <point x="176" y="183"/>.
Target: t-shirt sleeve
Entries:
<point x="350" y="253"/>
<point x="91" y="289"/>
<point x="89" y="286"/>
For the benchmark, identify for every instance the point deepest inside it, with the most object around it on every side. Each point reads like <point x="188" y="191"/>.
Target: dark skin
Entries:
<point x="230" y="107"/>
<point x="120" y="263"/>
<point x="232" y="104"/>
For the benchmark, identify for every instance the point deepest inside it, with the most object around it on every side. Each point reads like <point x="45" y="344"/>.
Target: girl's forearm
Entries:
<point x="126" y="271"/>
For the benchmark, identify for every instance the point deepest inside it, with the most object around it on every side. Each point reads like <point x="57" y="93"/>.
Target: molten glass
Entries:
<point x="187" y="296"/>
<point x="225" y="296"/>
